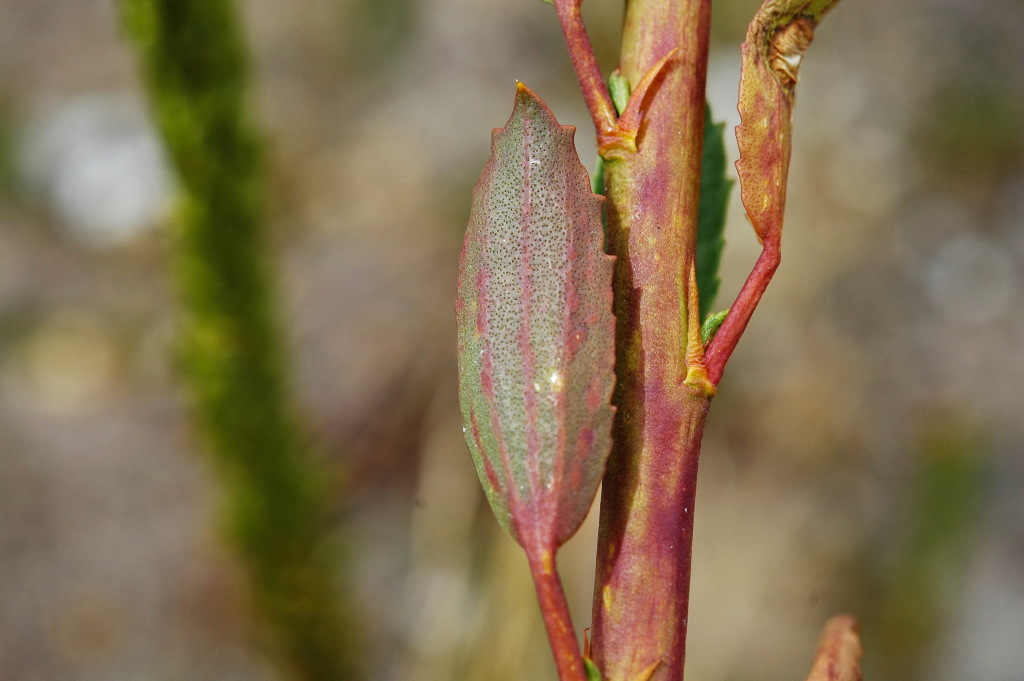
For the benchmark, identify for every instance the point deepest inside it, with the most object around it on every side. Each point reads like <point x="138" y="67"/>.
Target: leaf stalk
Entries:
<point x="557" y="620"/>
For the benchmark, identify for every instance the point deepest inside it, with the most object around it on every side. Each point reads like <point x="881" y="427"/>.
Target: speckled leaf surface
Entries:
<point x="776" y="41"/>
<point x="535" y="330"/>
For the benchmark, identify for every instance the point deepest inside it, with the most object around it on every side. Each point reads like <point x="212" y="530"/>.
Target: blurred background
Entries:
<point x="864" y="453"/>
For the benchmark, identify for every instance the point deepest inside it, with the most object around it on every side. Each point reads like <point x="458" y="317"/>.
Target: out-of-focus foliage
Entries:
<point x="195" y="67"/>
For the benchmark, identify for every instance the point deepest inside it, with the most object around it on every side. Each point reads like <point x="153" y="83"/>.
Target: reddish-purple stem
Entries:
<point x="557" y="620"/>
<point x="641" y="593"/>
<point x="742" y="309"/>
<point x="584" y="62"/>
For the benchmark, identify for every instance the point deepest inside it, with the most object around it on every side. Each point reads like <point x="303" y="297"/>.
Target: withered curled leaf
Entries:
<point x="776" y="42"/>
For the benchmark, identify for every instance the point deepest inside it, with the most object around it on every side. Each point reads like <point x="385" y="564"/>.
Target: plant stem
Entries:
<point x="641" y="596"/>
<point x="555" y="609"/>
<point x="742" y="309"/>
<point x="592" y="85"/>
<point x="646" y="526"/>
<point x="195" y="66"/>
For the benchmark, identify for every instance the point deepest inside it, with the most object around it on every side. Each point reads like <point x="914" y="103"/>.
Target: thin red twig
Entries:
<point x="742" y="309"/>
<point x="555" y="609"/>
<point x="584" y="62"/>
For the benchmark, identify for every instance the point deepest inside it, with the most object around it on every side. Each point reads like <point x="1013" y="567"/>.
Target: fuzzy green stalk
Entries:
<point x="195" y="68"/>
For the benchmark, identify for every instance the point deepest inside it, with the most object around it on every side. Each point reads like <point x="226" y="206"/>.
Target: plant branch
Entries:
<point x="742" y="310"/>
<point x="557" y="620"/>
<point x="641" y="594"/>
<point x="584" y="62"/>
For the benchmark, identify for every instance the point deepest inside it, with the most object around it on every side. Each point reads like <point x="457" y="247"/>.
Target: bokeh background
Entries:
<point x="864" y="453"/>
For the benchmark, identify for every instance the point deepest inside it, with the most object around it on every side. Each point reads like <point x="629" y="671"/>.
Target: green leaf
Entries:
<point x="618" y="88"/>
<point x="536" y="333"/>
<point x="710" y="326"/>
<point x="714" y="199"/>
<point x="597" y="179"/>
<point x="593" y="673"/>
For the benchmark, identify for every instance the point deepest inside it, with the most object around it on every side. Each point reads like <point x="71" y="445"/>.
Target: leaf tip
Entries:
<point x="839" y="652"/>
<point x="528" y="101"/>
